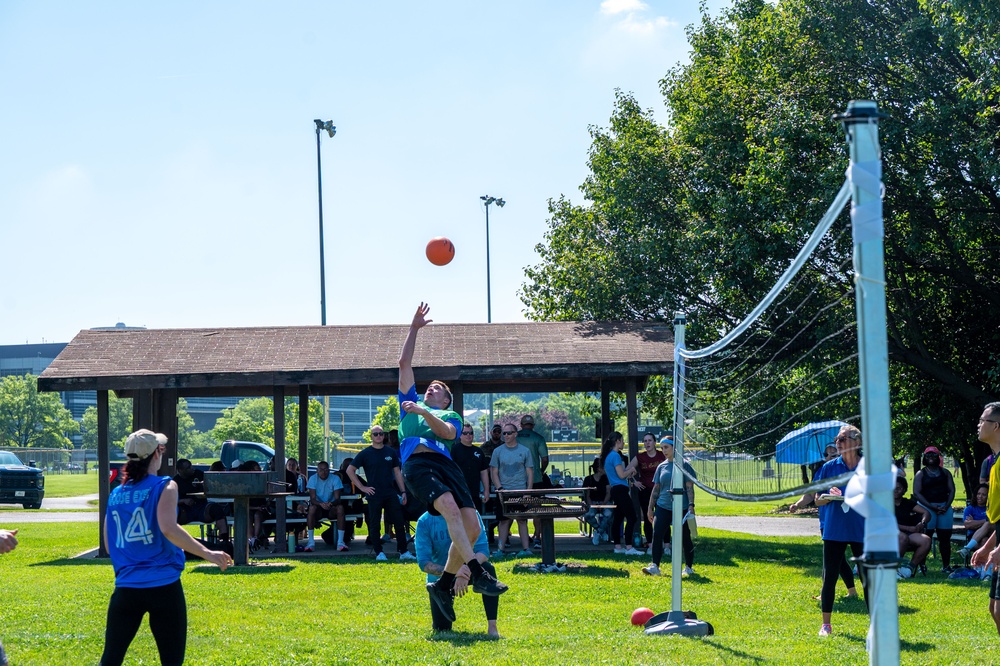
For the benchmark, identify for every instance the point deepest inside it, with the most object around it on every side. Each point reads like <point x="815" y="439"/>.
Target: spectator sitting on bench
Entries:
<point x="197" y="509"/>
<point x="911" y="519"/>
<point x="599" y="493"/>
<point x="978" y="528"/>
<point x="324" y="502"/>
<point x="260" y="510"/>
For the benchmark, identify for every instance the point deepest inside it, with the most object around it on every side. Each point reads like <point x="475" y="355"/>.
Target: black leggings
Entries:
<point x="833" y="556"/>
<point x="624" y="513"/>
<point x="647" y="527"/>
<point x="661" y="532"/>
<point x="491" y="605"/>
<point x="167" y="620"/>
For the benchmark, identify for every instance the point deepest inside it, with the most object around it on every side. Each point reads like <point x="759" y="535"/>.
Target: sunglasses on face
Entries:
<point x="378" y="434"/>
<point x="466" y="432"/>
<point x="510" y="432"/>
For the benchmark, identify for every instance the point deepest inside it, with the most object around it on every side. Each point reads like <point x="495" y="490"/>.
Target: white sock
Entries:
<point x="312" y="537"/>
<point x="340" y="537"/>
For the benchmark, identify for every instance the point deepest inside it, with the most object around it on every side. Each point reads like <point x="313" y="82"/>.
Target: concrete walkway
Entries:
<point x="55" y="510"/>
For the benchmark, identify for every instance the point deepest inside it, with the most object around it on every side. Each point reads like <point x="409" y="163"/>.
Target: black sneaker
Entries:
<point x="488" y="585"/>
<point x="442" y="600"/>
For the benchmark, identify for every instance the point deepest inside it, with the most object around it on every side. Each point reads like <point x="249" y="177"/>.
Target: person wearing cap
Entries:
<point x="147" y="547"/>
<point x="660" y="510"/>
<point x="495" y="440"/>
<point x="934" y="489"/>
<point x="843" y="527"/>
<point x="536" y="445"/>
<point x="988" y="555"/>
<point x="427" y="430"/>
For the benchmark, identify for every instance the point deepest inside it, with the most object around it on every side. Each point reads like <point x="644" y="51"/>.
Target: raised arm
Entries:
<point x="420" y="320"/>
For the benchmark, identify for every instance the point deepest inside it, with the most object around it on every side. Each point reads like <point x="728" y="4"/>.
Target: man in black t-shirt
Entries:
<point x="475" y="467"/>
<point x="384" y="488"/>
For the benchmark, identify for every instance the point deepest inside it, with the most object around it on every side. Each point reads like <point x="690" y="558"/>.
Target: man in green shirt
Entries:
<point x="427" y="429"/>
<point x="535" y="443"/>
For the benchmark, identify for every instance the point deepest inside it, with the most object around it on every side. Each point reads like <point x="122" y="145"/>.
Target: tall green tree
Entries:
<point x="387" y="416"/>
<point x="703" y="214"/>
<point x="119" y="423"/>
<point x="32" y="419"/>
<point x="252" y="420"/>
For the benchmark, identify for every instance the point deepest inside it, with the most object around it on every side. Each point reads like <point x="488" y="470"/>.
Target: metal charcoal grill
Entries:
<point x="546" y="505"/>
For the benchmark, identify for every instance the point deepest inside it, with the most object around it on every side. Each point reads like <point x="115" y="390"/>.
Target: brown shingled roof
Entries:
<point x="350" y="359"/>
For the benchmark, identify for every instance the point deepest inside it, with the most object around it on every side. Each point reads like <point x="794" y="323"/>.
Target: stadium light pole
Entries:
<point x="330" y="129"/>
<point x="500" y="203"/>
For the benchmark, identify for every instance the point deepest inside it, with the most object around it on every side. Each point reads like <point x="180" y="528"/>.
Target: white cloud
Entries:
<point x="613" y="7"/>
<point x="635" y="20"/>
<point x="644" y="26"/>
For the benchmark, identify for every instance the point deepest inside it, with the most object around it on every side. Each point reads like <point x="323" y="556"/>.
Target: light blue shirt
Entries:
<point x="610" y="463"/>
<point x="432" y="542"/>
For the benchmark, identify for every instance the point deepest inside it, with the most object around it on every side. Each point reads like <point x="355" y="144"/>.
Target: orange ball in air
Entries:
<point x="440" y="251"/>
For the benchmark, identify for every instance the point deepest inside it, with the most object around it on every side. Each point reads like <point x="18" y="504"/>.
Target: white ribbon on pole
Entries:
<point x="866" y="218"/>
<point x="881" y="531"/>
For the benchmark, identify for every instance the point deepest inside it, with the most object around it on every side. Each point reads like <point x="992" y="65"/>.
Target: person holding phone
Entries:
<point x="843" y="527"/>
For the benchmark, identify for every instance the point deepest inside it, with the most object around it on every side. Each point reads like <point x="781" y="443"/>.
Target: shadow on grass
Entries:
<point x="736" y="653"/>
<point x="575" y="569"/>
<point x="253" y="569"/>
<point x="458" y="638"/>
<point x="73" y="562"/>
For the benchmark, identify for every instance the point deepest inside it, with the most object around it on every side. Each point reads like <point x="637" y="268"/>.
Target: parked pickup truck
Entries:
<point x="19" y="483"/>
<point x="235" y="451"/>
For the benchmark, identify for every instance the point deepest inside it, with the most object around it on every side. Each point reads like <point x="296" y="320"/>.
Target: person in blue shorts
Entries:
<point x="427" y="431"/>
<point x="147" y="547"/>
<point x="433" y="543"/>
<point x="843" y="527"/>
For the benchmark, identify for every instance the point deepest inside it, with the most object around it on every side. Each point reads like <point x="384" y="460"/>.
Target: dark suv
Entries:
<point x="20" y="484"/>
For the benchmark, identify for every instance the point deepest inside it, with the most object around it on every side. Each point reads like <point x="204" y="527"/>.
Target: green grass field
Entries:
<point x="757" y="592"/>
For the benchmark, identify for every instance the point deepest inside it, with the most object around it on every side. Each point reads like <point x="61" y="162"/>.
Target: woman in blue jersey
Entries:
<point x="842" y="525"/>
<point x="614" y="467"/>
<point x="147" y="547"/>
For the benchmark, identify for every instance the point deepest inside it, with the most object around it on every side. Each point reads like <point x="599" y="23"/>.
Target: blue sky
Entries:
<point x="158" y="160"/>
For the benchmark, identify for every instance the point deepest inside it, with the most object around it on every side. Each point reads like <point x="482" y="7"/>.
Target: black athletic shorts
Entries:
<point x="995" y="585"/>
<point x="431" y="475"/>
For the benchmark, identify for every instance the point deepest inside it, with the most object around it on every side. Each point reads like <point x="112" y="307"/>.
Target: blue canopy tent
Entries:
<point x="807" y="444"/>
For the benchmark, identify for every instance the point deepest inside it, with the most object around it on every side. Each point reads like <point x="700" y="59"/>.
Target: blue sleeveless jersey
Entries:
<point x="141" y="555"/>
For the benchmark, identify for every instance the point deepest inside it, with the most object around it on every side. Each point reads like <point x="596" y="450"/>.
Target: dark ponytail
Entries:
<point x="609" y="445"/>
<point x="135" y="471"/>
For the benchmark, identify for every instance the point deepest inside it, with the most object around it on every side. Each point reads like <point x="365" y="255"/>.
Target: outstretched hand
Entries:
<point x="420" y="316"/>
<point x="8" y="540"/>
<point x="220" y="559"/>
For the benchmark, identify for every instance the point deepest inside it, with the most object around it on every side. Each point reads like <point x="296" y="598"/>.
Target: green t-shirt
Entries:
<point x="538" y="449"/>
<point x="414" y="431"/>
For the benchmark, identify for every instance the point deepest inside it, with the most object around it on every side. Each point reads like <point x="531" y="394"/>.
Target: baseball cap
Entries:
<point x="143" y="443"/>
<point x="527" y="419"/>
<point x="932" y="449"/>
